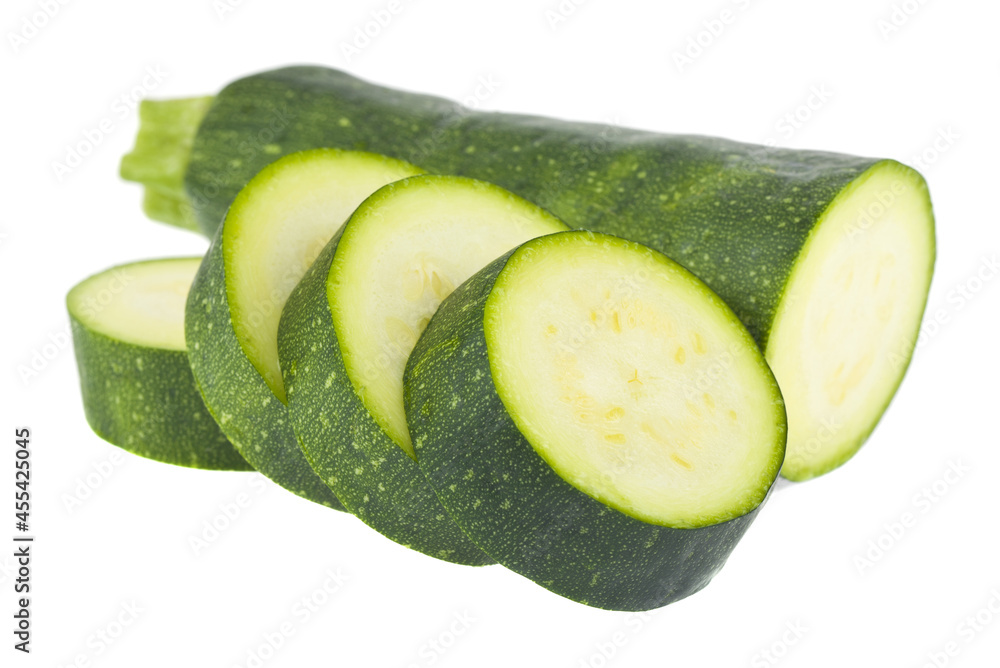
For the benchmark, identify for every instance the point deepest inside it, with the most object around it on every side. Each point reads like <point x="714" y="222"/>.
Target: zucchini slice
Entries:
<point x="349" y="326"/>
<point x="138" y="391"/>
<point x="274" y="230"/>
<point x="804" y="246"/>
<point x="596" y="419"/>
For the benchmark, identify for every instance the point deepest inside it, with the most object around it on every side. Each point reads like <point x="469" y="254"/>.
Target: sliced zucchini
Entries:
<point x="350" y="325"/>
<point x="596" y="419"/>
<point x="138" y="392"/>
<point x="770" y="230"/>
<point x="273" y="231"/>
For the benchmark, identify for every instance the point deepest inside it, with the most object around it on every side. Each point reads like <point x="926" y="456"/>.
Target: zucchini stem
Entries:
<point x="159" y="160"/>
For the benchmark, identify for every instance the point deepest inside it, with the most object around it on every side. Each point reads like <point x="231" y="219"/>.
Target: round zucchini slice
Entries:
<point x="138" y="391"/>
<point x="596" y="419"/>
<point x="273" y="231"/>
<point x="349" y="326"/>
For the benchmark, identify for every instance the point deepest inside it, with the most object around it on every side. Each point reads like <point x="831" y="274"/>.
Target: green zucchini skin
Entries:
<point x="470" y="450"/>
<point x="736" y="215"/>
<point x="144" y="400"/>
<point x="150" y="408"/>
<point x="246" y="409"/>
<point x="323" y="404"/>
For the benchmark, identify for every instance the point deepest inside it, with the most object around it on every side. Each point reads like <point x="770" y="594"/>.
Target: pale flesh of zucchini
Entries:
<point x="141" y="303"/>
<point x="278" y="225"/>
<point x="841" y="339"/>
<point x="398" y="258"/>
<point x="634" y="382"/>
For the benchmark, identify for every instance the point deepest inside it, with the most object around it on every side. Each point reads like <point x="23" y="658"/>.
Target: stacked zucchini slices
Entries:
<point x="465" y="374"/>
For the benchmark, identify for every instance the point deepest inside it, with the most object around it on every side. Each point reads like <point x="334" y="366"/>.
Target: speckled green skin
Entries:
<point x="144" y="400"/>
<point x="735" y="215"/>
<point x="374" y="477"/>
<point x="255" y="420"/>
<point x="512" y="503"/>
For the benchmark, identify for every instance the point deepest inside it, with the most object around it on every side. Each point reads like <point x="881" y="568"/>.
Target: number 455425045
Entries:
<point x="22" y="474"/>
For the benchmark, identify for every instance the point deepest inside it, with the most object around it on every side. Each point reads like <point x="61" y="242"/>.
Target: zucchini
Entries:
<point x="271" y="234"/>
<point x="826" y="258"/>
<point x="553" y="408"/>
<point x="349" y="326"/>
<point x="138" y="391"/>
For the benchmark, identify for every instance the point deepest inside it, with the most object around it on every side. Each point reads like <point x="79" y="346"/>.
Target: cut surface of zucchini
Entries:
<point x="842" y="337"/>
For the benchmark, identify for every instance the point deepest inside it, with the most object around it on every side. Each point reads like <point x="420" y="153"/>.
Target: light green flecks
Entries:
<point x="272" y="149"/>
<point x="372" y="475"/>
<point x="344" y="122"/>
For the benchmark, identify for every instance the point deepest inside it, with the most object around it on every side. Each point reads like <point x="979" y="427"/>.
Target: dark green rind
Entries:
<point x="374" y="478"/>
<point x="144" y="400"/>
<point x="736" y="215"/>
<point x="255" y="420"/>
<point x="513" y="505"/>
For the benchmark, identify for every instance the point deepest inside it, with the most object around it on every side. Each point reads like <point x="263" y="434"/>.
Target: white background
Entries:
<point x="888" y="94"/>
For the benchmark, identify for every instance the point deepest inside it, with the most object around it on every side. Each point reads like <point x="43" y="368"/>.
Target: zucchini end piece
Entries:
<point x="849" y="317"/>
